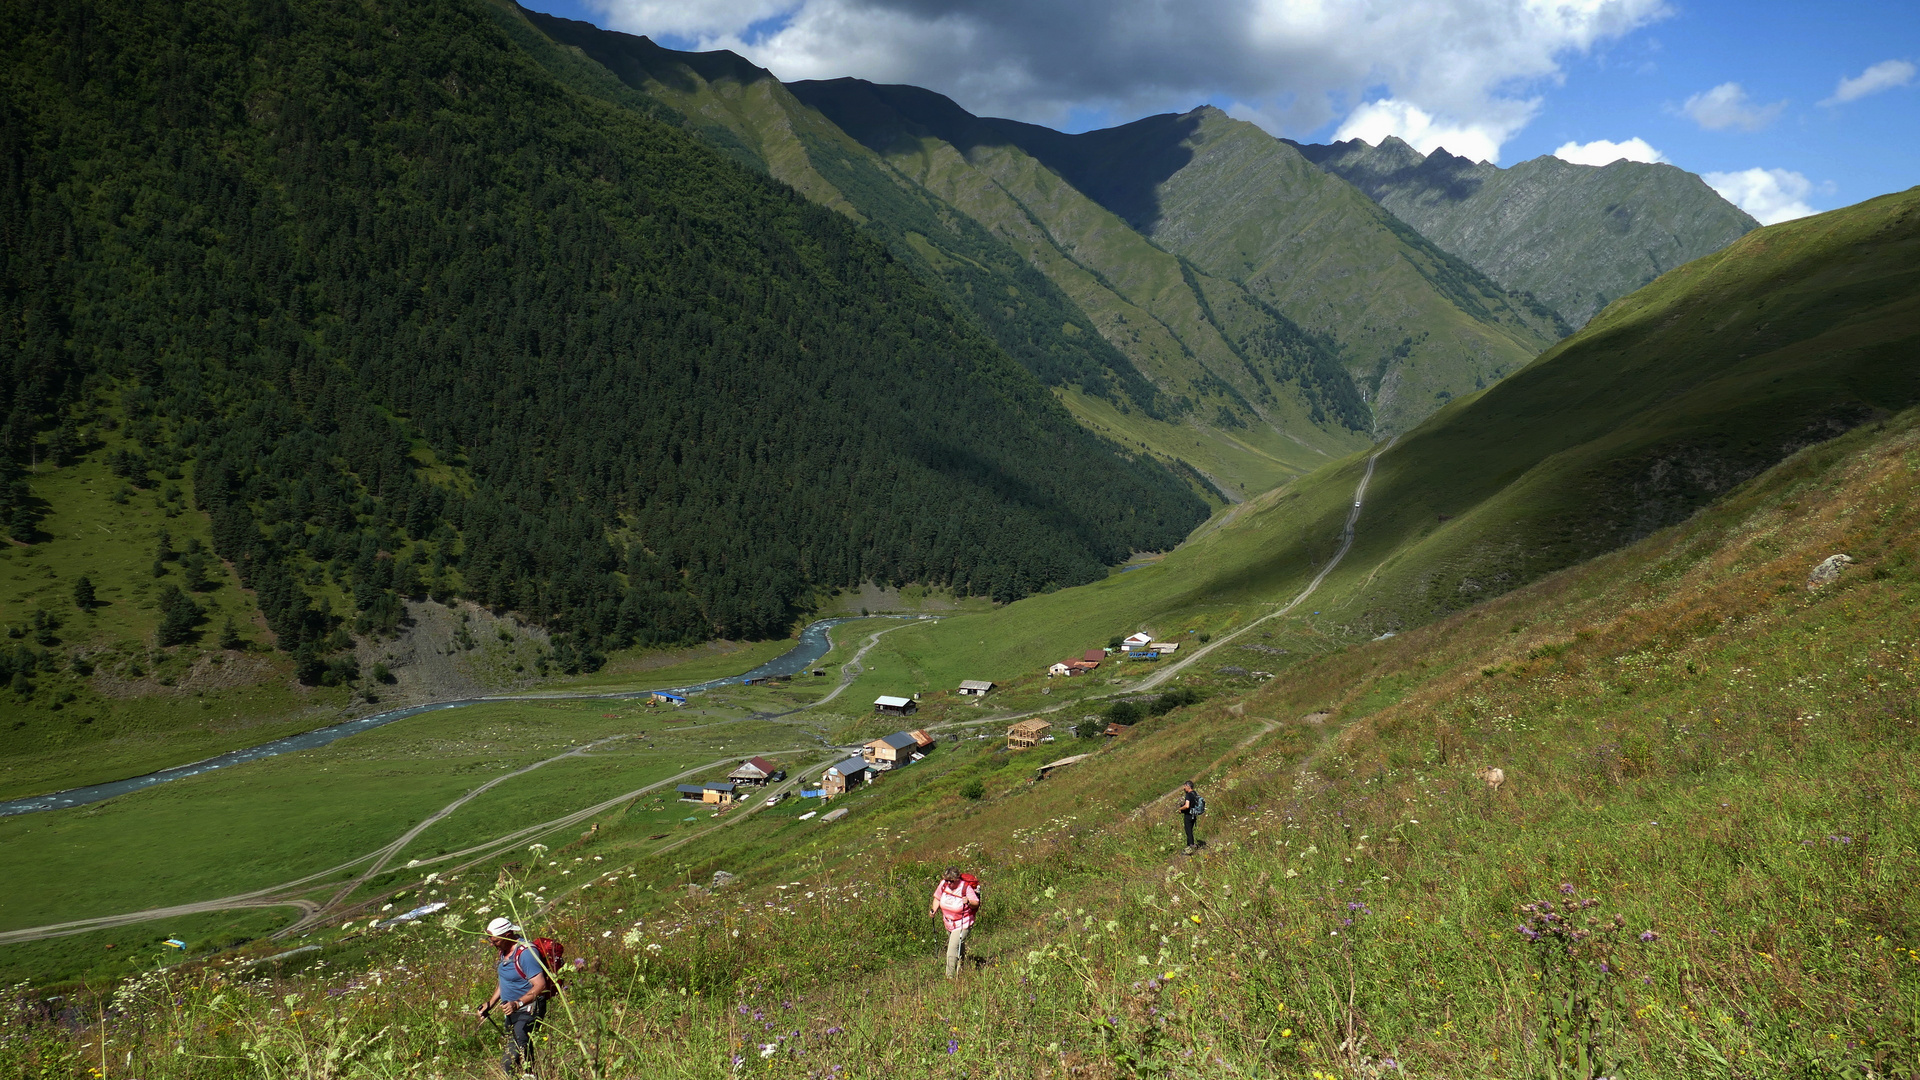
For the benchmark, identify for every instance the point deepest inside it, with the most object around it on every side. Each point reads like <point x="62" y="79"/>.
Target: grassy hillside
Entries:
<point x="1663" y="403"/>
<point x="1416" y="326"/>
<point x="1232" y="364"/>
<point x="1690" y="737"/>
<point x="1575" y="237"/>
<point x="1667" y="399"/>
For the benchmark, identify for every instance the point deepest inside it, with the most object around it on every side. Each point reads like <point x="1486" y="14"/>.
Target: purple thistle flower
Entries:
<point x="953" y="1046"/>
<point x="1649" y="936"/>
<point x="1566" y="888"/>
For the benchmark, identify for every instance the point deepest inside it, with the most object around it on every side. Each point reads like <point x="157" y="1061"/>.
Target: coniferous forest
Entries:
<point x="415" y="316"/>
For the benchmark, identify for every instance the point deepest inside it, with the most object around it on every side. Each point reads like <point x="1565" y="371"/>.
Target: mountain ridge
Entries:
<point x="1576" y="237"/>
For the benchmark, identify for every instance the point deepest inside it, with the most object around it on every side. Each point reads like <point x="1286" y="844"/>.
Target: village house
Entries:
<point x="1164" y="647"/>
<point x="974" y="688"/>
<point x="893" y="706"/>
<point x="667" y="697"/>
<point x="1137" y="641"/>
<point x="1092" y="656"/>
<point x="841" y="778"/>
<point x="757" y="770"/>
<point x="1027" y="733"/>
<point x="717" y="793"/>
<point x="1061" y="669"/>
<point x="899" y="748"/>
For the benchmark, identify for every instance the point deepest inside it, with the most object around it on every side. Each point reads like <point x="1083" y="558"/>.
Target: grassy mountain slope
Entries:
<point x="1243" y="369"/>
<point x="1669" y="399"/>
<point x="408" y="315"/>
<point x="1575" y="237"/>
<point x="1689" y="736"/>
<point x="1415" y="325"/>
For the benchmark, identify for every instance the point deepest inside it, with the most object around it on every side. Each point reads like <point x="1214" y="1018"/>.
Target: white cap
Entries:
<point x="501" y="927"/>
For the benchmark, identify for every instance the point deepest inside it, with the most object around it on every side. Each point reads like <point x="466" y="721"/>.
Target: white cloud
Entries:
<point x="1471" y="67"/>
<point x="1884" y="75"/>
<point x="1606" y="152"/>
<point x="1770" y="195"/>
<point x="1481" y="141"/>
<point x="1727" y="106"/>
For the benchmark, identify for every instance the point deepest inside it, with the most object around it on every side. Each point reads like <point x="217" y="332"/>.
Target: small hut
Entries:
<point x="975" y="687"/>
<point x="893" y="706"/>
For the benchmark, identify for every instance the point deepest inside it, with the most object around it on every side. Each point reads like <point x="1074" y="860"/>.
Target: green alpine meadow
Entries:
<point x="483" y="492"/>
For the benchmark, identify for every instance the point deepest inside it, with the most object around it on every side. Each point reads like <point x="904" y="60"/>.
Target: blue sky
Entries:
<point x="1748" y="94"/>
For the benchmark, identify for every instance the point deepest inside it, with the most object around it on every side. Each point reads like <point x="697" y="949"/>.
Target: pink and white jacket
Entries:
<point x="957" y="903"/>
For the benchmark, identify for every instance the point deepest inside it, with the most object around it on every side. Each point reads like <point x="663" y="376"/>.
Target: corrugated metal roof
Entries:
<point x="899" y="740"/>
<point x="975" y="684"/>
<point x="850" y="766"/>
<point x="718" y="786"/>
<point x="689" y="789"/>
<point x="893" y="702"/>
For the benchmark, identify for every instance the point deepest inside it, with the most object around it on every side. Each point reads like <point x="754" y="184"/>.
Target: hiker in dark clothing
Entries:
<point x="522" y="989"/>
<point x="1191" y="807"/>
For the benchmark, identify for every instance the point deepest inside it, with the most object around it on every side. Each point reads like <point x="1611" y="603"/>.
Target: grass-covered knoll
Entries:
<point x="1691" y="739"/>
<point x="1575" y="237"/>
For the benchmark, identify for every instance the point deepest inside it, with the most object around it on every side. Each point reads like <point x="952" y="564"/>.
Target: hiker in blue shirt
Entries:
<point x="522" y="989"/>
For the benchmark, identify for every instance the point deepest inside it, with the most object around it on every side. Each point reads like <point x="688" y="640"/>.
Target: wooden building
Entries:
<point x="893" y="706"/>
<point x="974" y="688"/>
<point x="1027" y="733"/>
<point x="841" y="778"/>
<point x="899" y="748"/>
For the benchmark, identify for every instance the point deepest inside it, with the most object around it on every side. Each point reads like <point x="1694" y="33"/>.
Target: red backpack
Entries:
<point x="551" y="954"/>
<point x="973" y="883"/>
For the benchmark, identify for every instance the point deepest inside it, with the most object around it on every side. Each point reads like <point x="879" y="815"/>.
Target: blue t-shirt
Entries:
<point x="517" y="970"/>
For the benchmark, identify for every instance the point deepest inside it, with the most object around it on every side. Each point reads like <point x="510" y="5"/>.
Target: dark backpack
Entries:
<point x="1199" y="805"/>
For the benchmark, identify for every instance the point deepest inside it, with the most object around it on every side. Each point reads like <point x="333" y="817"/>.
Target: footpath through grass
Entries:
<point x="1709" y="774"/>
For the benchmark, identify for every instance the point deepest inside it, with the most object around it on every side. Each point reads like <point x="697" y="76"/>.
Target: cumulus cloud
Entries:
<point x="1727" y="106"/>
<point x="1464" y="70"/>
<point x="1770" y="195"/>
<point x="1885" y="75"/>
<point x="1606" y="152"/>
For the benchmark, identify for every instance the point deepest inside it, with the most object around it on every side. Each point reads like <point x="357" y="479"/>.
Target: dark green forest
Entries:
<point x="422" y="319"/>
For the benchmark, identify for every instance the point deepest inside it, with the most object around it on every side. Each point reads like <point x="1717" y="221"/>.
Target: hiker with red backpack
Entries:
<point x="956" y="900"/>
<point x="526" y="975"/>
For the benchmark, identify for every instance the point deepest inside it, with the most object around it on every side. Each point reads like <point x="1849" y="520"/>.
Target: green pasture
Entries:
<point x="270" y="821"/>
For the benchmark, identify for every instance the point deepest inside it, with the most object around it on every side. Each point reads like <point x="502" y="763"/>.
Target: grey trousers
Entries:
<point x="956" y="948"/>
<point x="520" y="1025"/>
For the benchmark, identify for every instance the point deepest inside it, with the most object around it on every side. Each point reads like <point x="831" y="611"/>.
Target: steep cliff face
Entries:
<point x="1577" y="237"/>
